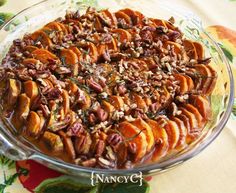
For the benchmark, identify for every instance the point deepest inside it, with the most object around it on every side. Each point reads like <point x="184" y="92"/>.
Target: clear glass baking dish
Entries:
<point x="34" y="17"/>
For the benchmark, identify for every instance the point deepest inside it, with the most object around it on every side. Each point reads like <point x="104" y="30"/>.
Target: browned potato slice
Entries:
<point x="14" y="89"/>
<point x="44" y="55"/>
<point x="69" y="147"/>
<point x="182" y="133"/>
<point x="21" y="112"/>
<point x="190" y="49"/>
<point x="31" y="89"/>
<point x="117" y="102"/>
<point x="143" y="126"/>
<point x="41" y="36"/>
<point x="112" y="45"/>
<point x="66" y="101"/>
<point x="133" y="134"/>
<point x="182" y="83"/>
<point x="123" y="35"/>
<point x="33" y="125"/>
<point x="203" y="106"/>
<point x="213" y="79"/>
<point x="70" y="58"/>
<point x="173" y="133"/>
<point x="161" y="140"/>
<point x="199" y="50"/>
<point x="52" y="142"/>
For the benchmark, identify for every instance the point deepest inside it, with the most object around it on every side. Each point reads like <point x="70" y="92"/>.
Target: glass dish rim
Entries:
<point x="151" y="168"/>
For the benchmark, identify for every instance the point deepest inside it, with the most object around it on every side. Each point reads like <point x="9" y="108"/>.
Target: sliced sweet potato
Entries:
<point x="117" y="102"/>
<point x="176" y="46"/>
<point x="213" y="79"/>
<point x="30" y="48"/>
<point x="69" y="147"/>
<point x="203" y="74"/>
<point x="139" y="100"/>
<point x="111" y="16"/>
<point x="14" y="89"/>
<point x="140" y="18"/>
<point x="83" y="143"/>
<point x="160" y="138"/>
<point x="142" y="125"/>
<point x="72" y="87"/>
<point x="54" y="26"/>
<point x="190" y="49"/>
<point x="97" y="24"/>
<point x="87" y="102"/>
<point x="31" y="61"/>
<point x="199" y="50"/>
<point x="52" y="142"/>
<point x="135" y="18"/>
<point x="185" y="120"/>
<point x="173" y="133"/>
<point x="123" y="35"/>
<point x="112" y="45"/>
<point x="21" y="112"/>
<point x="203" y="106"/>
<point x="31" y="89"/>
<point x="66" y="101"/>
<point x="182" y="133"/>
<point x="91" y="51"/>
<point x="133" y="134"/>
<point x="189" y="82"/>
<point x="32" y="125"/>
<point x="182" y="83"/>
<point x="44" y="55"/>
<point x="122" y="16"/>
<point x="42" y="37"/>
<point x="194" y="110"/>
<point x="194" y="131"/>
<point x="158" y="22"/>
<point x="70" y="58"/>
<point x="108" y="107"/>
<point x="63" y="28"/>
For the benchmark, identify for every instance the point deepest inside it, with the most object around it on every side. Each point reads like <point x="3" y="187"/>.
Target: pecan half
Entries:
<point x="94" y="85"/>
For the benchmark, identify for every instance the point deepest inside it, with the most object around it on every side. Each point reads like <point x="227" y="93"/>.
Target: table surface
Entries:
<point x="213" y="170"/>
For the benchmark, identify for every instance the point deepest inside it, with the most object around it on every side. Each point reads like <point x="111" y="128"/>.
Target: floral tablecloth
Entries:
<point x="212" y="171"/>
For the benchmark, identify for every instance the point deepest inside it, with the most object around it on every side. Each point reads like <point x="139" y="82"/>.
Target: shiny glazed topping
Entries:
<point x="107" y="90"/>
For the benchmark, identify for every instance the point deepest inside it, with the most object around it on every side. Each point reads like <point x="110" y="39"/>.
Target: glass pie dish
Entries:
<point x="16" y="147"/>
